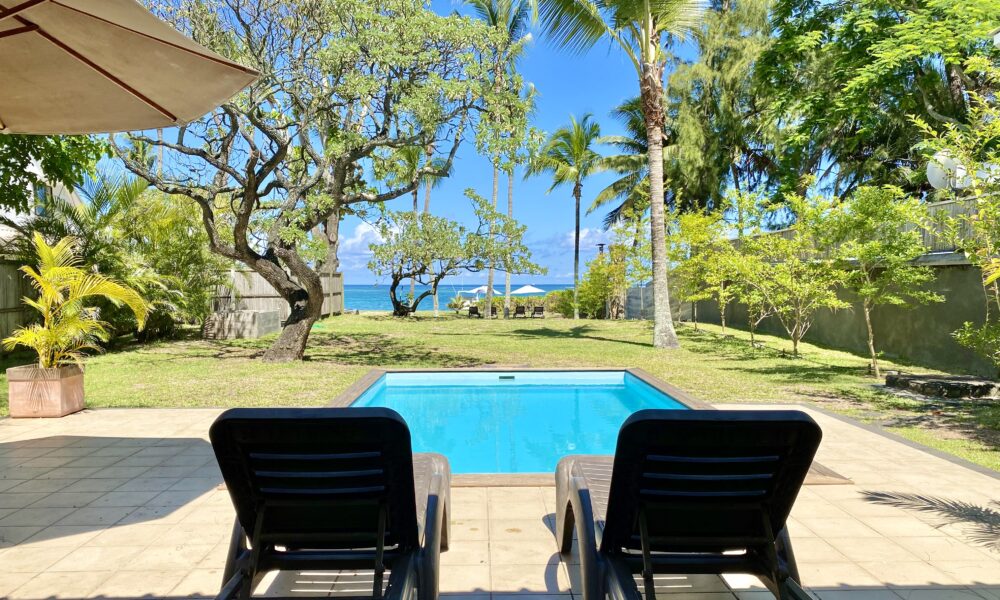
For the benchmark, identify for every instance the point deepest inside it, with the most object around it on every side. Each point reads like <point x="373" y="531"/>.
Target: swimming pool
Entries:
<point x="515" y="421"/>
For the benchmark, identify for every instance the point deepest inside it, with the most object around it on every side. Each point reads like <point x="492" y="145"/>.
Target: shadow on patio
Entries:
<point x="82" y="488"/>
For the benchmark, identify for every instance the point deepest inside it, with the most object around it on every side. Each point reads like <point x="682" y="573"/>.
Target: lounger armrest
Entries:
<point x="576" y="513"/>
<point x="436" y="528"/>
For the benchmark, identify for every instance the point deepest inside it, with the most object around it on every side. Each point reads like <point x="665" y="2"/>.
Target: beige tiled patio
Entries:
<point x="126" y="504"/>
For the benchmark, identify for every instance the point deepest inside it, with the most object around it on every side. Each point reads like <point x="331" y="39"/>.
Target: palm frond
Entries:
<point x="574" y="25"/>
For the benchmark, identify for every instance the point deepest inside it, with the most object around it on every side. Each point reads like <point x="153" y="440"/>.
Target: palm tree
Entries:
<point x="518" y="156"/>
<point x="630" y="190"/>
<point x="514" y="17"/>
<point x="67" y="327"/>
<point x="570" y="157"/>
<point x="640" y="29"/>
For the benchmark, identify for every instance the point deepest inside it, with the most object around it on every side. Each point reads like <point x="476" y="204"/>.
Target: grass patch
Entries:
<point x="714" y="367"/>
<point x="969" y="449"/>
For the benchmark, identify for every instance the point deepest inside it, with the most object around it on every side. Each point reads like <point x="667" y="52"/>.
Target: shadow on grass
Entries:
<point x="984" y="521"/>
<point x="578" y="332"/>
<point x="357" y="349"/>
<point x="767" y="362"/>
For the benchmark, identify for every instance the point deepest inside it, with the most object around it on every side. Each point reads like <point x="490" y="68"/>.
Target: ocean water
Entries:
<point x="514" y="422"/>
<point x="376" y="297"/>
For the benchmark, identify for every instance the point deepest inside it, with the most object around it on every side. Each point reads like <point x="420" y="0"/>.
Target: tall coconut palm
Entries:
<point x="640" y="30"/>
<point x="514" y="17"/>
<point x="630" y="191"/>
<point x="516" y="157"/>
<point x="569" y="157"/>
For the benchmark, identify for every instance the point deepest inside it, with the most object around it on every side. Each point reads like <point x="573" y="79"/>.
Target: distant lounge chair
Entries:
<point x="538" y="312"/>
<point x="687" y="491"/>
<point x="493" y="312"/>
<point x="331" y="489"/>
<point x="474" y="312"/>
<point x="519" y="311"/>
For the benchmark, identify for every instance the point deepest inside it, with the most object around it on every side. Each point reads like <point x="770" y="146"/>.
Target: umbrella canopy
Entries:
<point x="88" y="66"/>
<point x="528" y="289"/>
<point x="479" y="290"/>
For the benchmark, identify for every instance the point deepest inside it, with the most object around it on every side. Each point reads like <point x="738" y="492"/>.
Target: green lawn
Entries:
<point x="716" y="368"/>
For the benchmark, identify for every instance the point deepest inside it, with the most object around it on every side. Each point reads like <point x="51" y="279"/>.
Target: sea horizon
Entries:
<point x="375" y="296"/>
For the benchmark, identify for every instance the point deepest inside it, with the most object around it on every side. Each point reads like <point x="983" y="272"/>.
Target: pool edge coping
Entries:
<point x="359" y="387"/>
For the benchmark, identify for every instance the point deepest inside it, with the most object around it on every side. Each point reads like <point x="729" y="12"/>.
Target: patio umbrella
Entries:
<point x="527" y="289"/>
<point x="479" y="290"/>
<point x="89" y="66"/>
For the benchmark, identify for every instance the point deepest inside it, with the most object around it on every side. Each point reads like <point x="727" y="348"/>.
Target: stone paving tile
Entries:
<point x="848" y="546"/>
<point x="72" y="536"/>
<point x="96" y="558"/>
<point x="11" y="536"/>
<point x="467" y="552"/>
<point x="129" y="584"/>
<point x="550" y="578"/>
<point x="199" y="583"/>
<point x="51" y="584"/>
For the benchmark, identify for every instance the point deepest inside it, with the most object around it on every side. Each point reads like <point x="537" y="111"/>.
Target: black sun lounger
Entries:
<point x="331" y="489"/>
<point x="519" y="311"/>
<point x="687" y="491"/>
<point x="474" y="312"/>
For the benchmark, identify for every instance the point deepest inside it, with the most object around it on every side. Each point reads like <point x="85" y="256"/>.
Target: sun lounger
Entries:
<point x="331" y="489"/>
<point x="474" y="312"/>
<point x="493" y="312"/>
<point x="519" y="311"/>
<point x="687" y="491"/>
<point x="538" y="312"/>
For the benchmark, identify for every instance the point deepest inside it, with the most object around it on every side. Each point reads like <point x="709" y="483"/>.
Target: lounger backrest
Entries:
<point x="706" y="480"/>
<point x="319" y="478"/>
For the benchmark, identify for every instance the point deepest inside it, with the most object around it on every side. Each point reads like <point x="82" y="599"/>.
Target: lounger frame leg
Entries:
<point x="435" y="538"/>
<point x="576" y="513"/>
<point x="237" y="562"/>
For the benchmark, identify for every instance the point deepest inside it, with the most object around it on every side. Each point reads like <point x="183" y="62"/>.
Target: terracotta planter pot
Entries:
<point x="36" y="392"/>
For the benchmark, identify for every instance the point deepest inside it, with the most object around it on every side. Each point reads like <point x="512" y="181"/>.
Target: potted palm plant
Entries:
<point x="53" y="387"/>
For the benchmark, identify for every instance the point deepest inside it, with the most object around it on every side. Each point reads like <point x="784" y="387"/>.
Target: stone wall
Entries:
<point x="237" y="324"/>
<point x="921" y="335"/>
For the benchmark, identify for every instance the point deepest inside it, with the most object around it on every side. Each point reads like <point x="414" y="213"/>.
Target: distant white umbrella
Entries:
<point x="479" y="290"/>
<point x="98" y="66"/>
<point x="527" y="289"/>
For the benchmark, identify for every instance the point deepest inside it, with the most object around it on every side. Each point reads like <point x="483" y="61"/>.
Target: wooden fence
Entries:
<point x="13" y="287"/>
<point x="249" y="291"/>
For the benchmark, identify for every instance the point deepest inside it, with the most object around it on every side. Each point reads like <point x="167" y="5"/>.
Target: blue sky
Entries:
<point x="566" y="84"/>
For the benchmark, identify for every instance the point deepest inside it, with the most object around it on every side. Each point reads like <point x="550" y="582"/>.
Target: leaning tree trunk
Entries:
<point x="305" y="301"/>
<point x="577" y="192"/>
<point x="399" y="309"/>
<point x="651" y="89"/>
<point x="510" y="213"/>
<point x="492" y="272"/>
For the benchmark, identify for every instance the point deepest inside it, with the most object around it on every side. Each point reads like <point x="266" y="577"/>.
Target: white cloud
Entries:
<point x="357" y="243"/>
<point x="589" y="238"/>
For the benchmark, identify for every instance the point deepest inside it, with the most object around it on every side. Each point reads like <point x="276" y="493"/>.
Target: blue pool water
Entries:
<point x="514" y="422"/>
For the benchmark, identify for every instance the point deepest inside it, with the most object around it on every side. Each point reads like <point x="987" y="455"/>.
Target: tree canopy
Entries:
<point x="344" y="86"/>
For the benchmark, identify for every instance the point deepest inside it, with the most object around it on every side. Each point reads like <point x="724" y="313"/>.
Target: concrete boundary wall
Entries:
<point x="921" y="334"/>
